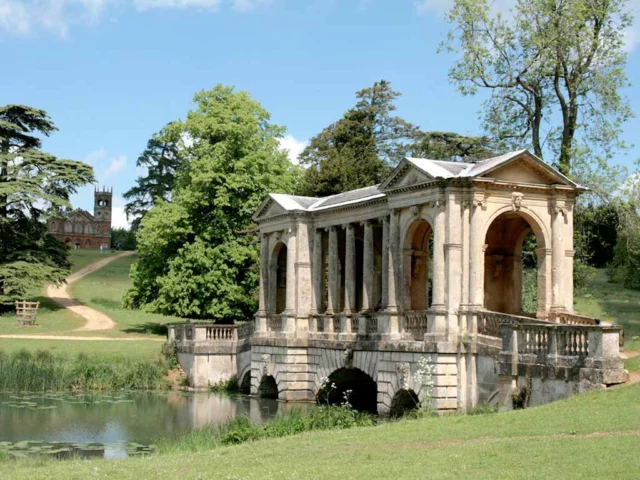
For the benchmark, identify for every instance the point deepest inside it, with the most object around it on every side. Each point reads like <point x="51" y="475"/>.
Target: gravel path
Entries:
<point x="95" y="320"/>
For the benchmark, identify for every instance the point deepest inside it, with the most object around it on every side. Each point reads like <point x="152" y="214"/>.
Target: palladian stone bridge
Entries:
<point x="358" y="287"/>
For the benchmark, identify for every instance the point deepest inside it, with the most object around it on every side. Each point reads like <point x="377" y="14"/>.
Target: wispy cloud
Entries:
<point x="96" y="156"/>
<point x="116" y="165"/>
<point x="118" y="215"/>
<point x="293" y="147"/>
<point x="26" y="17"/>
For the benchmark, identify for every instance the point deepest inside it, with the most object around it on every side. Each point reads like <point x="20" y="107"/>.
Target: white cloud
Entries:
<point x="151" y="4"/>
<point x="118" y="216"/>
<point x="293" y="147"/>
<point x="25" y="17"/>
<point x="96" y="156"/>
<point x="116" y="165"/>
<point x="248" y="5"/>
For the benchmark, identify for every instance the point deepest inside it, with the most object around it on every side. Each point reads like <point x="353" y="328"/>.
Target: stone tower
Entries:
<point x="102" y="208"/>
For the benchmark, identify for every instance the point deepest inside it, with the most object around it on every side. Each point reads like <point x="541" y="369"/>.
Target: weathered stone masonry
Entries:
<point x="427" y="264"/>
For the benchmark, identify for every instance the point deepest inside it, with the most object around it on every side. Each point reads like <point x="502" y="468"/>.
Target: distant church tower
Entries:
<point x="102" y="208"/>
<point x="81" y="230"/>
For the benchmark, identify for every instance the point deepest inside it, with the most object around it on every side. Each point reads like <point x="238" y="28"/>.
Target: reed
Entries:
<point x="241" y="429"/>
<point x="42" y="371"/>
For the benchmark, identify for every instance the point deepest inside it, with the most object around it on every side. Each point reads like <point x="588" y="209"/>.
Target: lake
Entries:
<point x="114" y="425"/>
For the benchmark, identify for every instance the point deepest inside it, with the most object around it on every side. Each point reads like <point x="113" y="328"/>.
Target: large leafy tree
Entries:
<point x="198" y="251"/>
<point x="33" y="186"/>
<point x="161" y="161"/>
<point x="554" y="71"/>
<point x="451" y="146"/>
<point x="359" y="149"/>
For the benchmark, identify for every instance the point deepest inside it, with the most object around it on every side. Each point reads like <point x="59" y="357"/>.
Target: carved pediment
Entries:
<point x="526" y="170"/>
<point x="405" y="175"/>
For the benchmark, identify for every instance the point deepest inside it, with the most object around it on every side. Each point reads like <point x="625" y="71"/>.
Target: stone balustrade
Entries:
<point x="415" y="325"/>
<point x="202" y="335"/>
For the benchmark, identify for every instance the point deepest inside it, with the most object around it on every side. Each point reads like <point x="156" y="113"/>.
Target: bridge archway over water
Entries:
<point x="364" y="390"/>
<point x="268" y="387"/>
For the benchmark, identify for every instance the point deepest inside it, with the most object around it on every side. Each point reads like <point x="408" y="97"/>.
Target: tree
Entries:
<point x="198" y="252"/>
<point x="123" y="239"/>
<point x="162" y="162"/>
<point x="554" y="70"/>
<point x="359" y="149"/>
<point x="33" y="186"/>
<point x="451" y="146"/>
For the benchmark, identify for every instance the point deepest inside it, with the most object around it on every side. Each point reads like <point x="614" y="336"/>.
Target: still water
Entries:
<point x="114" y="425"/>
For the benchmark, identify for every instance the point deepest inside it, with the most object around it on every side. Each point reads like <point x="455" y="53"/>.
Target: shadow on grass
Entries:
<point x="106" y="302"/>
<point x="148" y="328"/>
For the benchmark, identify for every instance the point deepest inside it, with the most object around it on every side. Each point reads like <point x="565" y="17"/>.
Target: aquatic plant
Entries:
<point x="43" y="371"/>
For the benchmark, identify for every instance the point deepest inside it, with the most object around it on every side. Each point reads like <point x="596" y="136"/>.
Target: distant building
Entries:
<point x="81" y="230"/>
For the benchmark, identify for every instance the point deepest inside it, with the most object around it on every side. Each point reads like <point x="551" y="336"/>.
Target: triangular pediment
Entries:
<point x="404" y="175"/>
<point x="80" y="215"/>
<point x="269" y="208"/>
<point x="527" y="169"/>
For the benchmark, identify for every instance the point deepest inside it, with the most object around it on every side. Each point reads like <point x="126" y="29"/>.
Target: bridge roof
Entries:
<point x="425" y="171"/>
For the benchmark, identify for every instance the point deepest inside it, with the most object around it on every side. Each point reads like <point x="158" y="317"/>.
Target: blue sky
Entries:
<point x="110" y="73"/>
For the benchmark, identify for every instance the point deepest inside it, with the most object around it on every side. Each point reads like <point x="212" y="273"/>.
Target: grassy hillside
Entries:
<point x="82" y="258"/>
<point x="590" y="436"/>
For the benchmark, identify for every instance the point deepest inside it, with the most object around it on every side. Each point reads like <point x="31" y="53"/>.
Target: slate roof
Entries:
<point x="432" y="168"/>
<point x="78" y="210"/>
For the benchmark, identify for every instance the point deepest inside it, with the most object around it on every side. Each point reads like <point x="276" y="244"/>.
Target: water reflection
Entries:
<point x="118" y="424"/>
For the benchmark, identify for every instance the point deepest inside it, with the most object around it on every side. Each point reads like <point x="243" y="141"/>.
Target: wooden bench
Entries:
<point x="27" y="313"/>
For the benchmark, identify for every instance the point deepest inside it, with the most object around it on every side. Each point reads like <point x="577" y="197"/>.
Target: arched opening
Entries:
<point x="280" y="275"/>
<point x="268" y="387"/>
<point x="512" y="279"/>
<point x="403" y="401"/>
<point x="416" y="266"/>
<point x="87" y="243"/>
<point x="245" y="384"/>
<point x="350" y="385"/>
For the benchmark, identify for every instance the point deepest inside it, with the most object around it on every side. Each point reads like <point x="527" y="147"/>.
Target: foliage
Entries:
<point x="424" y="382"/>
<point x="34" y="185"/>
<point x="626" y="254"/>
<point x="198" y="252"/>
<point x="483" y="409"/>
<point x="170" y="353"/>
<point x="123" y="239"/>
<point x="451" y="147"/>
<point x="41" y="371"/>
<point x="226" y="386"/>
<point x="596" y="233"/>
<point x="554" y="71"/>
<point x="359" y="149"/>
<point x="529" y="290"/>
<point x="241" y="429"/>
<point x="161" y="160"/>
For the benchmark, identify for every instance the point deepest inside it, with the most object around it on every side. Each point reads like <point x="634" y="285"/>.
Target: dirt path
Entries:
<point x="95" y="320"/>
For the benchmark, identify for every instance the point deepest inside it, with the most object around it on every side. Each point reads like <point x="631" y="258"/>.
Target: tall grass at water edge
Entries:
<point x="43" y="371"/>
<point x="241" y="429"/>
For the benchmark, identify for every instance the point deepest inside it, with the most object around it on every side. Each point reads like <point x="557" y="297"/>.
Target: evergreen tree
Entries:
<point x="359" y="149"/>
<point x="162" y="162"/>
<point x="198" y="252"/>
<point x="451" y="146"/>
<point x="33" y="186"/>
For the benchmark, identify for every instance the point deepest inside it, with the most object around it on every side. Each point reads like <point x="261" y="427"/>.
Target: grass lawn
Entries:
<point x="611" y="301"/>
<point x="82" y="258"/>
<point x="588" y="436"/>
<point x="135" y="350"/>
<point x="104" y="289"/>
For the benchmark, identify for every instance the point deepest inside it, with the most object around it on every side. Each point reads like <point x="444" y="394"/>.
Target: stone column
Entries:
<point x="290" y="304"/>
<point x="544" y="281"/>
<point x="557" y="254"/>
<point x="569" y="254"/>
<point x="385" y="262"/>
<point x="261" y="317"/>
<point x="476" y="255"/>
<point x="438" y="259"/>
<point x="334" y="283"/>
<point x="350" y="270"/>
<point x="393" y="261"/>
<point x="367" y="268"/>
<point x="316" y="305"/>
